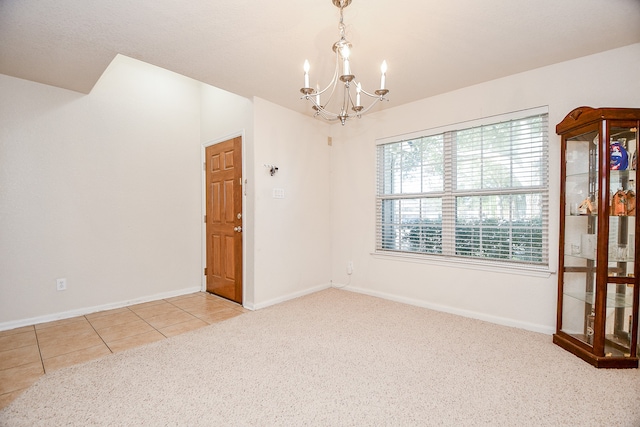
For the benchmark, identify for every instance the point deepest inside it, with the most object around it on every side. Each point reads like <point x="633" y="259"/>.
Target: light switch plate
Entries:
<point x="278" y="193"/>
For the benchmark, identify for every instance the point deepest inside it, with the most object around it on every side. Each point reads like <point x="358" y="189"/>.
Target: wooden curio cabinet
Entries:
<point x="598" y="268"/>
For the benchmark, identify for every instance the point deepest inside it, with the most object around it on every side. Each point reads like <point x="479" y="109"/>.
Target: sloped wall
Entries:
<point x="101" y="189"/>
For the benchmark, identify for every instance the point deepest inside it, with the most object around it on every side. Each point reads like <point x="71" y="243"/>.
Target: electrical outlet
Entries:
<point x="350" y="267"/>
<point x="61" y="284"/>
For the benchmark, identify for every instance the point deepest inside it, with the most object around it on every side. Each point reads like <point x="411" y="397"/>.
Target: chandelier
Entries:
<point x="347" y="106"/>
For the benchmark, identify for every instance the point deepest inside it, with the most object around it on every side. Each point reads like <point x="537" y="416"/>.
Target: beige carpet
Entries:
<point x="337" y="358"/>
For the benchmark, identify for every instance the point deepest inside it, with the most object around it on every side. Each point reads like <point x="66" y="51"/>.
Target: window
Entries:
<point x="479" y="192"/>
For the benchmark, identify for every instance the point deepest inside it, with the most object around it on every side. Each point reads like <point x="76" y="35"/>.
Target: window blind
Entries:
<point x="479" y="192"/>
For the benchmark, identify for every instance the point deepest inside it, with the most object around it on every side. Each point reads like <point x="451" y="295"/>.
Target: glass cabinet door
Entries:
<point x="621" y="240"/>
<point x="580" y="242"/>
<point x="582" y="238"/>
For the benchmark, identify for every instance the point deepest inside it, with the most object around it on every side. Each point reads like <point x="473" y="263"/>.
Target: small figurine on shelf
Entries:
<point x="619" y="203"/>
<point x="590" y="325"/>
<point x="631" y="202"/>
<point x="586" y="207"/>
<point x="619" y="156"/>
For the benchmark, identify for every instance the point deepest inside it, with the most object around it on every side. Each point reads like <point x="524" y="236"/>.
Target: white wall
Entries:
<point x="224" y="114"/>
<point x="105" y="189"/>
<point x="609" y="79"/>
<point x="101" y="189"/>
<point x="292" y="235"/>
<point x="286" y="241"/>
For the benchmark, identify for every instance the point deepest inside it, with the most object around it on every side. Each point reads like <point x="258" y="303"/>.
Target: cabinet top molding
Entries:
<point x="584" y="115"/>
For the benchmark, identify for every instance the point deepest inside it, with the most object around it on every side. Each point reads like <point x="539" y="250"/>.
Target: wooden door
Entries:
<point x="223" y="177"/>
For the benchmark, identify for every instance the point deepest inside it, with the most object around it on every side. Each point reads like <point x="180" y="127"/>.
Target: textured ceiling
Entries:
<point x="257" y="48"/>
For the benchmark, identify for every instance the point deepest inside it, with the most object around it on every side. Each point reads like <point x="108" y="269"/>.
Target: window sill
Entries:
<point x="522" y="270"/>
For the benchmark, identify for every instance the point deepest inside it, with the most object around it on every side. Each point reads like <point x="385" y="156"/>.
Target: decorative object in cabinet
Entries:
<point x="597" y="318"/>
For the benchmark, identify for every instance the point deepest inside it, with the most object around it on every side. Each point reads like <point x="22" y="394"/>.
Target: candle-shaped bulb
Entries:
<point x="346" y="69"/>
<point x="358" y="90"/>
<point x="345" y="51"/>
<point x="383" y="69"/>
<point x="306" y="73"/>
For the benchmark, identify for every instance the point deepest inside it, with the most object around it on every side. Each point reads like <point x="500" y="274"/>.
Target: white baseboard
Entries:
<point x="88" y="310"/>
<point x="452" y="310"/>
<point x="288" y="297"/>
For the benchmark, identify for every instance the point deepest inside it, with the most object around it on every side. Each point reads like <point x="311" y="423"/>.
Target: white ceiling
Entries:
<point x="257" y="47"/>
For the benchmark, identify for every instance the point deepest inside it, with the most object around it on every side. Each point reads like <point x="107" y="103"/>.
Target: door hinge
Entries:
<point x="205" y="218"/>
<point x="205" y="271"/>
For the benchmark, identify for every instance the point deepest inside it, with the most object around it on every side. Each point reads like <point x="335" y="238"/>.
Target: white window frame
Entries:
<point x="448" y="256"/>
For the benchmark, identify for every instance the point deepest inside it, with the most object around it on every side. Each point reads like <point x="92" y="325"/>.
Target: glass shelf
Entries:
<point x="614" y="300"/>
<point x="616" y="175"/>
<point x="580" y="256"/>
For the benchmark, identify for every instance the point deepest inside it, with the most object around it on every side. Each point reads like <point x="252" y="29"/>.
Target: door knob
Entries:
<point x="237" y="229"/>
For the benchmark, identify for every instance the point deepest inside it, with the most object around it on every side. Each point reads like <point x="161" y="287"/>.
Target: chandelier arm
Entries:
<point x="320" y="110"/>
<point x="372" y="95"/>
<point x="331" y="118"/>
<point x="348" y="101"/>
<point x="333" y="81"/>
<point x="332" y="85"/>
<point x="369" y="107"/>
<point x="333" y="91"/>
<point x="327" y="115"/>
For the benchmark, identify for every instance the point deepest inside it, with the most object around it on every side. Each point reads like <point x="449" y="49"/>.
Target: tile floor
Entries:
<point x="29" y="352"/>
